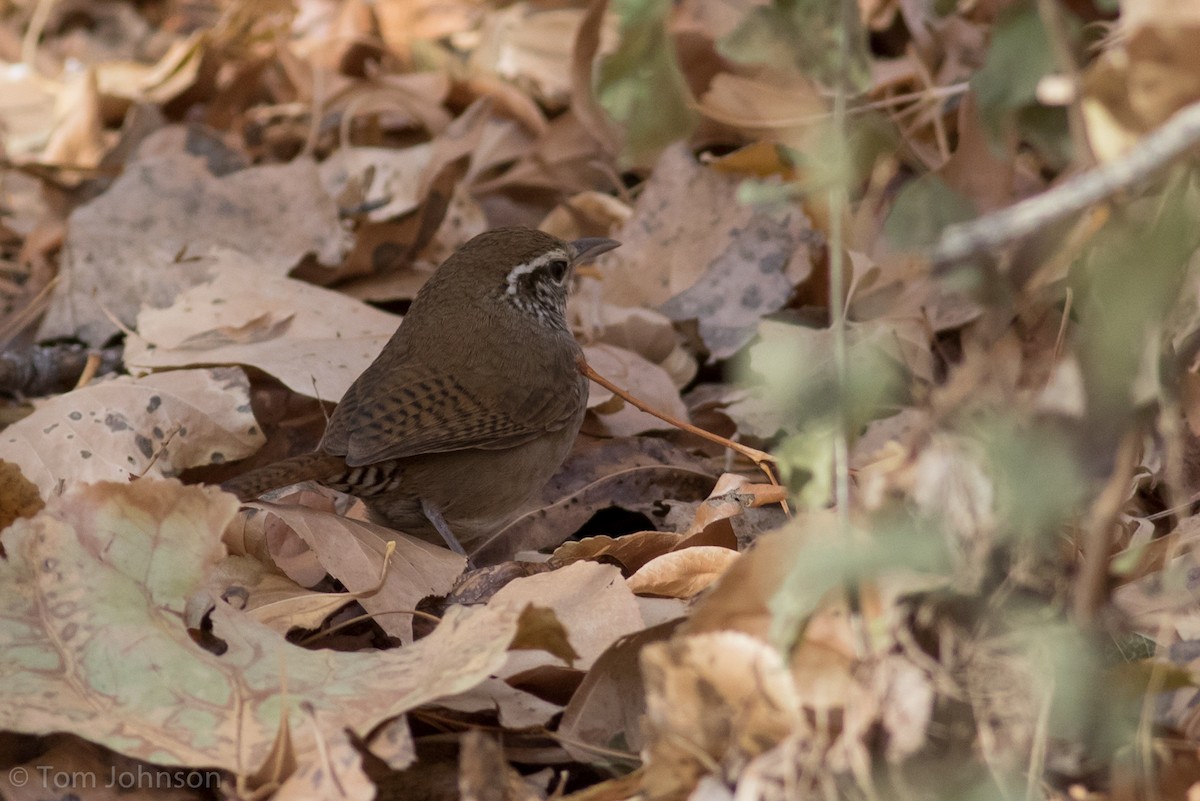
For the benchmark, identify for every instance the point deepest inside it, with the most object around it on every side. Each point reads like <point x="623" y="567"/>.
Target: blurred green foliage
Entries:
<point x="1005" y="88"/>
<point x="640" y="85"/>
<point x="806" y="36"/>
<point x="922" y="210"/>
<point x="1040" y="471"/>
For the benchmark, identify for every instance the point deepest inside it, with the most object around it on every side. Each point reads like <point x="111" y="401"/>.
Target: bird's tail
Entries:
<point x="315" y="466"/>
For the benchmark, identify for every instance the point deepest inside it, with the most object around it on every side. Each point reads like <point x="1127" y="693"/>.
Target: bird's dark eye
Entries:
<point x="558" y="269"/>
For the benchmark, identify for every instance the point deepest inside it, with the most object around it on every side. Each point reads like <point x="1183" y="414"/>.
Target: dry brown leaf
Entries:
<point x="631" y="551"/>
<point x="774" y="106"/>
<point x="122" y="428"/>
<point x="124" y="249"/>
<point x="607" y="708"/>
<point x="175" y="72"/>
<point x="1144" y="77"/>
<point x="273" y="600"/>
<point x="587" y="213"/>
<point x="18" y="496"/>
<point x="712" y="259"/>
<point x="540" y="630"/>
<point x="337" y="775"/>
<point x="641" y="378"/>
<point x="729" y="498"/>
<point x="564" y="159"/>
<point x="741" y="600"/>
<point x="352" y="551"/>
<point x="647" y="333"/>
<point x="403" y="24"/>
<point x="684" y="573"/>
<point x="590" y="601"/>
<point x="975" y="170"/>
<point x="130" y="555"/>
<point x="28" y="104"/>
<point x="79" y="139"/>
<point x="531" y="47"/>
<point x="515" y="709"/>
<point x="395" y="102"/>
<point x="313" y="340"/>
<point x="382" y="178"/>
<point x="713" y="701"/>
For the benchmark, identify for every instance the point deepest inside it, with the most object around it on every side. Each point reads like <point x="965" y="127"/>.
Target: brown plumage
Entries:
<point x="472" y="404"/>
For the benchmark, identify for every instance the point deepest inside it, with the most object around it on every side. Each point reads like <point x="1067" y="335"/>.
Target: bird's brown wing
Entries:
<point x="433" y="412"/>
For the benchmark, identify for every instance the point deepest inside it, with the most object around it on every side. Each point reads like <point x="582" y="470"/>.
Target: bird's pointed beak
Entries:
<point x="590" y="247"/>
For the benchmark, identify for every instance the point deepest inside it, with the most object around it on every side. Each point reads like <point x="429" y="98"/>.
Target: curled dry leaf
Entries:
<point x="28" y="103"/>
<point x="606" y="711"/>
<point x="128" y="427"/>
<point x="95" y="587"/>
<point x="590" y="601"/>
<point x="273" y="600"/>
<point x="682" y="574"/>
<point x="314" y="340"/>
<point x="741" y="600"/>
<point x="384" y="179"/>
<point x="118" y="256"/>
<point x="530" y="47"/>
<point x="709" y="527"/>
<point x="713" y="702"/>
<point x="515" y="709"/>
<point x="631" y="551"/>
<point x="771" y="105"/>
<point x="353" y="551"/>
<point x="589" y="213"/>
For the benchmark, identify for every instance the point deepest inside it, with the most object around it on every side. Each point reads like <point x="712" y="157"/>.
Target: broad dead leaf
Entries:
<point x="120" y="256"/>
<point x="683" y="573"/>
<point x="607" y="709"/>
<point x="589" y="600"/>
<point x="95" y="588"/>
<point x="352" y="551"/>
<point x="125" y="427"/>
<point x="712" y="258"/>
<point x="712" y="701"/>
<point x="313" y="340"/>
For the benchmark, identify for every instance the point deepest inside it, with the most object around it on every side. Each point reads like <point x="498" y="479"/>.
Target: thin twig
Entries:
<point x="761" y="459"/>
<point x="1092" y="582"/>
<point x="1156" y="151"/>
<point x="90" y="368"/>
<point x="16" y="323"/>
<point x="160" y="450"/>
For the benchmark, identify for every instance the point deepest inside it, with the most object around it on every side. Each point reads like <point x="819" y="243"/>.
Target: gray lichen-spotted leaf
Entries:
<point x="748" y="280"/>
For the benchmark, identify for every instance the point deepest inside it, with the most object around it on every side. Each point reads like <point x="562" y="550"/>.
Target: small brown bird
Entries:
<point x="472" y="404"/>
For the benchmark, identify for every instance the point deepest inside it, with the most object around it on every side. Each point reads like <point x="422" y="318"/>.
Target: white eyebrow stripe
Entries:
<point x="528" y="267"/>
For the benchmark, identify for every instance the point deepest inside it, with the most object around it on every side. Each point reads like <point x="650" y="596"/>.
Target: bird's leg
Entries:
<point x="434" y="516"/>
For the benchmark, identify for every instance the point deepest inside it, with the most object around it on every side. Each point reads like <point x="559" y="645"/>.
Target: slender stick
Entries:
<point x="761" y="459"/>
<point x="1155" y="151"/>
